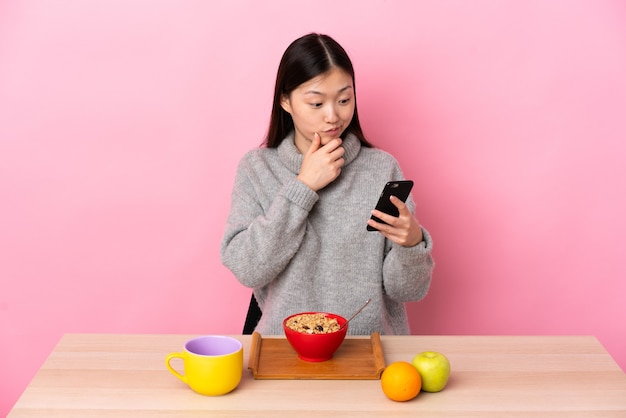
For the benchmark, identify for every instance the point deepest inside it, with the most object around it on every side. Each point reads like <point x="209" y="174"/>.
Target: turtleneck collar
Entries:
<point x="292" y="158"/>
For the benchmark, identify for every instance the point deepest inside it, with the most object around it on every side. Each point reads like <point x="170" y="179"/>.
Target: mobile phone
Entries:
<point x="400" y="189"/>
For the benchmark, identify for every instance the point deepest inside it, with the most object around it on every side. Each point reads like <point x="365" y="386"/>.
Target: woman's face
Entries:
<point x="324" y="104"/>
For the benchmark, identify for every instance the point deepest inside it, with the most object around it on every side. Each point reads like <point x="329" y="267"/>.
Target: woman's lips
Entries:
<point x="333" y="132"/>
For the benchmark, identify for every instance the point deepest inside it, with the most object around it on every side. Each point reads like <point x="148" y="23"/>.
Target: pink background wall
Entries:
<point x="121" y="124"/>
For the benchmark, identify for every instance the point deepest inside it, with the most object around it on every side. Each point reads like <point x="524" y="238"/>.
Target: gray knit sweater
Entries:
<point x="306" y="251"/>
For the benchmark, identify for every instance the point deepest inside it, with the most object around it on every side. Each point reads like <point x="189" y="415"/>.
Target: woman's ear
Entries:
<point x="285" y="103"/>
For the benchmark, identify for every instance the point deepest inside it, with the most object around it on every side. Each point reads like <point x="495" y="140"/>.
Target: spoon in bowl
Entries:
<point x="355" y="314"/>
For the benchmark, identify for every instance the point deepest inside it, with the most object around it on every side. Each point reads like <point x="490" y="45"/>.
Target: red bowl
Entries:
<point x="316" y="347"/>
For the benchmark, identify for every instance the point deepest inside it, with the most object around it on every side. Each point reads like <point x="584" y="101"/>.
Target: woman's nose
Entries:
<point x="331" y="115"/>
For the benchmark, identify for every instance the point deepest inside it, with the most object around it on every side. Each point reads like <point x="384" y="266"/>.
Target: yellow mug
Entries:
<point x="213" y="364"/>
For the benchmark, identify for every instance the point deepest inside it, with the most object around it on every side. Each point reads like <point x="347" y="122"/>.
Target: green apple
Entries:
<point x="434" y="368"/>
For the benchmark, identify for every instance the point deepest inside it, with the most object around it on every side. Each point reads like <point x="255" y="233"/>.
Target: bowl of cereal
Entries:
<point x="315" y="335"/>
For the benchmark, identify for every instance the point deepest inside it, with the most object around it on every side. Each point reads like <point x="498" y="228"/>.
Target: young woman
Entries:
<point x="296" y="233"/>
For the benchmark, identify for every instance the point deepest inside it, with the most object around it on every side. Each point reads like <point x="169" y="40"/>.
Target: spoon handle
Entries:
<point x="356" y="313"/>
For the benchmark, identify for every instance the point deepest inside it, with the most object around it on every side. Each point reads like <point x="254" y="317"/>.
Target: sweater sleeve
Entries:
<point x="407" y="271"/>
<point x="259" y="241"/>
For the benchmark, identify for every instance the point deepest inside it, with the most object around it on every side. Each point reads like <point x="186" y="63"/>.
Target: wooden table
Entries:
<point x="492" y="376"/>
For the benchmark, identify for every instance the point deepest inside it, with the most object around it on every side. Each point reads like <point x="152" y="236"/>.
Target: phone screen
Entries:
<point x="401" y="189"/>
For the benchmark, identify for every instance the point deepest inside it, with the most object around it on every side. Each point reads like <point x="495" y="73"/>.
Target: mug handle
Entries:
<point x="171" y="356"/>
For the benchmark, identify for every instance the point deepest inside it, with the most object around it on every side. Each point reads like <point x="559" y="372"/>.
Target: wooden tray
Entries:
<point x="357" y="358"/>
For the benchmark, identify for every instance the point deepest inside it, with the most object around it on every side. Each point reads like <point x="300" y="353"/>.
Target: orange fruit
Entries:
<point x="401" y="381"/>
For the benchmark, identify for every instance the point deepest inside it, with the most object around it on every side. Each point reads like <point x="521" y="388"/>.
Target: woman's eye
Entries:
<point x="344" y="101"/>
<point x="316" y="105"/>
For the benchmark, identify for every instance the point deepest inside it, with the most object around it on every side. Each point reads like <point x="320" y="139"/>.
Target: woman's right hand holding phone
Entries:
<point x="404" y="229"/>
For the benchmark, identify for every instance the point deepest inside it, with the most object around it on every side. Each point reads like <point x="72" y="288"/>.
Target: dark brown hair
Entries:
<point x="308" y="57"/>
